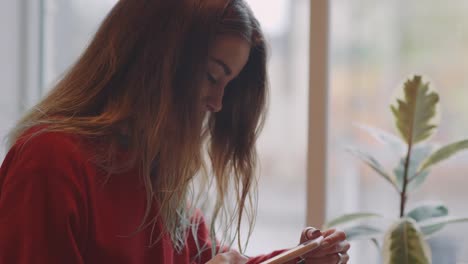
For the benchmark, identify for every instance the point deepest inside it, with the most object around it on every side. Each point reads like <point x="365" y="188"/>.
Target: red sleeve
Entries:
<point x="205" y="244"/>
<point x="41" y="202"/>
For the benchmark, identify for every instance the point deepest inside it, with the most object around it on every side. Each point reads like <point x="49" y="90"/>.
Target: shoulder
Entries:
<point x="44" y="155"/>
<point x="49" y="146"/>
<point x="48" y="141"/>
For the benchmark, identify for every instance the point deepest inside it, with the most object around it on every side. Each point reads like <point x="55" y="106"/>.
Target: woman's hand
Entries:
<point x="230" y="257"/>
<point x="333" y="250"/>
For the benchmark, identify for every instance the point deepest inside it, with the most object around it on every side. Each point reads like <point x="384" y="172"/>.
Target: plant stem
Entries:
<point x="403" y="195"/>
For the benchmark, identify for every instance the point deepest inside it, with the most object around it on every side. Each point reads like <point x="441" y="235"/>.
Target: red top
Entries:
<point x="56" y="208"/>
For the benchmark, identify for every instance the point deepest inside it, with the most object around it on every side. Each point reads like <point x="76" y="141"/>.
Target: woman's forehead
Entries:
<point x="231" y="50"/>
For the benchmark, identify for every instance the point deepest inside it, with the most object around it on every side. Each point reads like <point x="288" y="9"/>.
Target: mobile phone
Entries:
<point x="295" y="252"/>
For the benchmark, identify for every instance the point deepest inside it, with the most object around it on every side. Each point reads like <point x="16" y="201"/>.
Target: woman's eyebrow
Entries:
<point x="221" y="63"/>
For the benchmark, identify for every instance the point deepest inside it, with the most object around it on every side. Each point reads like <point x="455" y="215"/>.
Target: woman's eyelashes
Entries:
<point x="211" y="78"/>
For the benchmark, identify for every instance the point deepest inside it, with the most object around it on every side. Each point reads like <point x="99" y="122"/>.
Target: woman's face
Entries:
<point x="226" y="60"/>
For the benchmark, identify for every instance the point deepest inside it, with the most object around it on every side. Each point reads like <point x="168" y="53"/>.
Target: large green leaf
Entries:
<point x="419" y="153"/>
<point x="374" y="164"/>
<point x="444" y="153"/>
<point x="416" y="111"/>
<point x="430" y="226"/>
<point x="427" y="211"/>
<point x="360" y="232"/>
<point x="347" y="218"/>
<point x="404" y="244"/>
<point x="393" y="141"/>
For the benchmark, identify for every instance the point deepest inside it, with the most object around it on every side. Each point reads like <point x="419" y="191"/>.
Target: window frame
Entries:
<point x="316" y="185"/>
<point x="30" y="55"/>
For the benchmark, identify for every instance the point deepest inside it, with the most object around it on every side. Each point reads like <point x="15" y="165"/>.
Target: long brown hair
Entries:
<point x="137" y="81"/>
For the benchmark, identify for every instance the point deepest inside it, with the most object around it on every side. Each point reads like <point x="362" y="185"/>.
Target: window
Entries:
<point x="68" y="27"/>
<point x="283" y="142"/>
<point x="19" y="71"/>
<point x="375" y="45"/>
<point x="9" y="64"/>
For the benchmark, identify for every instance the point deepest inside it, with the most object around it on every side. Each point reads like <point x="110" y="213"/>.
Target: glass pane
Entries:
<point x="69" y="26"/>
<point x="375" y="45"/>
<point x="283" y="142"/>
<point x="9" y="68"/>
<point x="282" y="145"/>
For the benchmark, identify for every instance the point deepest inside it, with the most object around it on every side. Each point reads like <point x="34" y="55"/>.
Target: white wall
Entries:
<point x="9" y="64"/>
<point x="20" y="51"/>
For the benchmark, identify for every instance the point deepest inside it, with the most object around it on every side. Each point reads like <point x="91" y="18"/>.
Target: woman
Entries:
<point x="102" y="169"/>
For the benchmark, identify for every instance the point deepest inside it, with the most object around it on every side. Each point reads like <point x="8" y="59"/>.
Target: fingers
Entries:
<point x="344" y="258"/>
<point x="328" y="232"/>
<point x="310" y="233"/>
<point x="330" y="259"/>
<point x="333" y="243"/>
<point x="341" y="247"/>
<point x="332" y="237"/>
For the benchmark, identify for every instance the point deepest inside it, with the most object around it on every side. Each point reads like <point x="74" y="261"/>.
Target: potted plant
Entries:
<point x="404" y="242"/>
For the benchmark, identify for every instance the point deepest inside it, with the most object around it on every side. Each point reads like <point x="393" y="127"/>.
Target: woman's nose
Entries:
<point x="215" y="103"/>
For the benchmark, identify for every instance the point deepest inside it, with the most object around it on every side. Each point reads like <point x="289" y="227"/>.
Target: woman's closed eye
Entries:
<point x="211" y="78"/>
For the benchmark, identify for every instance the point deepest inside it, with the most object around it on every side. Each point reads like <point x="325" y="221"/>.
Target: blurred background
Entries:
<point x="374" y="46"/>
